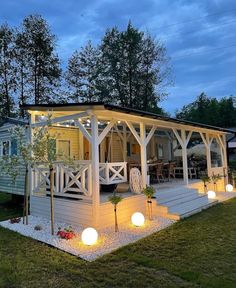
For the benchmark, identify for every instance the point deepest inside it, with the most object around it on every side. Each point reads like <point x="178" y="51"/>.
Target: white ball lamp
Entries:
<point x="229" y="188"/>
<point x="211" y="194"/>
<point x="137" y="219"/>
<point x="89" y="236"/>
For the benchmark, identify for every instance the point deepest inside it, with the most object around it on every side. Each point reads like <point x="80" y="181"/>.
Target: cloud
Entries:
<point x="199" y="35"/>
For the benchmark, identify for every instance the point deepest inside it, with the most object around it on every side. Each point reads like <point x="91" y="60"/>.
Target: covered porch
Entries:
<point x="105" y="142"/>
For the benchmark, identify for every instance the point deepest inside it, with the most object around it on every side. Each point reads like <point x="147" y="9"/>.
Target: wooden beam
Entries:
<point x="150" y="134"/>
<point x="83" y="130"/>
<point x="105" y="131"/>
<point x="143" y="152"/>
<point x="95" y="171"/>
<point x="188" y="138"/>
<point x="61" y="119"/>
<point x="178" y="137"/>
<point x="134" y="132"/>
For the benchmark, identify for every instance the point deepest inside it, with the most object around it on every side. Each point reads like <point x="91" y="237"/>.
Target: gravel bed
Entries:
<point x="108" y="240"/>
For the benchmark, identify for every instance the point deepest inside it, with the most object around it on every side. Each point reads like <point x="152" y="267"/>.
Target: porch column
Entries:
<point x="207" y="142"/>
<point x="223" y="146"/>
<point x="95" y="170"/>
<point x="125" y="142"/>
<point x="143" y="153"/>
<point x="183" y="141"/>
<point x="184" y="156"/>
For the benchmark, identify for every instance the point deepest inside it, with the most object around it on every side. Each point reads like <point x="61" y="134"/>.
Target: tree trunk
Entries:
<point x="116" y="221"/>
<point x="51" y="198"/>
<point x="8" y="102"/>
<point x="27" y="194"/>
<point x="149" y="201"/>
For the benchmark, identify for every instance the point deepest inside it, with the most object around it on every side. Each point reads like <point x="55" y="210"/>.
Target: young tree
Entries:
<point x="7" y="70"/>
<point x="81" y="74"/>
<point x="36" y="42"/>
<point x="149" y="192"/>
<point x="115" y="200"/>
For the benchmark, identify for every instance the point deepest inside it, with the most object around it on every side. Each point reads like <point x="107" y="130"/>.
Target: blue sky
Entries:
<point x="199" y="36"/>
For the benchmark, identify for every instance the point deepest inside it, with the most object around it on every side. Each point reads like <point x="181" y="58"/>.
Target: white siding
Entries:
<point x="6" y="184"/>
<point x="66" y="211"/>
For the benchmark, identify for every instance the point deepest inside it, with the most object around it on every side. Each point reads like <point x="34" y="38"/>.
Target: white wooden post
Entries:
<point x="207" y="142"/>
<point x="125" y="142"/>
<point x="143" y="151"/>
<point x="184" y="156"/>
<point x="81" y="145"/>
<point x="183" y="141"/>
<point x="30" y="139"/>
<point x="95" y="170"/>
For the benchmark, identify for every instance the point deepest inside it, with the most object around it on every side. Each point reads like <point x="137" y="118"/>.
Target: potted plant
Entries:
<point x="149" y="192"/>
<point x="115" y="200"/>
<point x="205" y="179"/>
<point x="215" y="179"/>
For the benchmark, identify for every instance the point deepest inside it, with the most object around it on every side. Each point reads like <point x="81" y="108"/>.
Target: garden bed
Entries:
<point x="108" y="240"/>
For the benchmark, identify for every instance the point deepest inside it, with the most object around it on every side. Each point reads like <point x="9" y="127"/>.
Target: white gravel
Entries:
<point x="108" y="239"/>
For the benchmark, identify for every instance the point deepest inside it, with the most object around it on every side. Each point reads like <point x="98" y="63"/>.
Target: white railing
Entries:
<point x="75" y="180"/>
<point x="113" y="173"/>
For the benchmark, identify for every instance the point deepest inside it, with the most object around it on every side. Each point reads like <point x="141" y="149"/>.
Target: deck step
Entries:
<point x="169" y="198"/>
<point x="181" y="202"/>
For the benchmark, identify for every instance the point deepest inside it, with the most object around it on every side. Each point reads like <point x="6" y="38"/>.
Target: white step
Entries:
<point x="167" y="194"/>
<point x="177" y="200"/>
<point x="188" y="206"/>
<point x="189" y="213"/>
<point x="167" y="198"/>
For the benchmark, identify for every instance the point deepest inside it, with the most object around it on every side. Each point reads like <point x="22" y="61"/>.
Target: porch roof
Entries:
<point x="117" y="108"/>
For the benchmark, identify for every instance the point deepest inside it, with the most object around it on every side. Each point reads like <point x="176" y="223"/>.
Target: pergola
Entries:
<point x="141" y="124"/>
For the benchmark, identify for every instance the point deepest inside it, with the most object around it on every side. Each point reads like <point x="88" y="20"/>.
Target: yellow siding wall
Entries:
<point x="71" y="134"/>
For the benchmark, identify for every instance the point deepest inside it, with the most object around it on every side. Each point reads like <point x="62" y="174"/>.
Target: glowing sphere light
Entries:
<point x="211" y="194"/>
<point x="229" y="188"/>
<point x="89" y="236"/>
<point x="137" y="219"/>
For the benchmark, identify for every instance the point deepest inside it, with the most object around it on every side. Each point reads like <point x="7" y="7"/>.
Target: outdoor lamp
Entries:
<point x="137" y="219"/>
<point x="211" y="194"/>
<point x="89" y="236"/>
<point x="229" y="188"/>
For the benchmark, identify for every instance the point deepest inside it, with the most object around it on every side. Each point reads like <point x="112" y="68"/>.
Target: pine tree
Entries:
<point x="7" y="70"/>
<point x="81" y="74"/>
<point x="43" y="72"/>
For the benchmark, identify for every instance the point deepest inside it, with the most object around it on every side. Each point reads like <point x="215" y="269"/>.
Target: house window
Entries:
<point x="135" y="149"/>
<point x="13" y="147"/>
<point x="5" y="148"/>
<point x="128" y="149"/>
<point x="160" y="151"/>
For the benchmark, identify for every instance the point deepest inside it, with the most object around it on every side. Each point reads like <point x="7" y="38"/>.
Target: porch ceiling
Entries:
<point x="102" y="106"/>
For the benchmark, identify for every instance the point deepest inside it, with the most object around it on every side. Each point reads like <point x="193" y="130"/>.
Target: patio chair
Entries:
<point x="158" y="171"/>
<point x="171" y="170"/>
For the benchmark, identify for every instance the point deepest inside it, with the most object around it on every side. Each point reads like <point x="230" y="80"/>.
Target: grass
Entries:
<point x="197" y="252"/>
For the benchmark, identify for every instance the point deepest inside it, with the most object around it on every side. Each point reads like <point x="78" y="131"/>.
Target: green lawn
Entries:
<point x="197" y="252"/>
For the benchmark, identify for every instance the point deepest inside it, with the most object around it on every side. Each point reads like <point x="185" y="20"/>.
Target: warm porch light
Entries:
<point x="89" y="236"/>
<point x="211" y="194"/>
<point x="137" y="219"/>
<point x="229" y="188"/>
